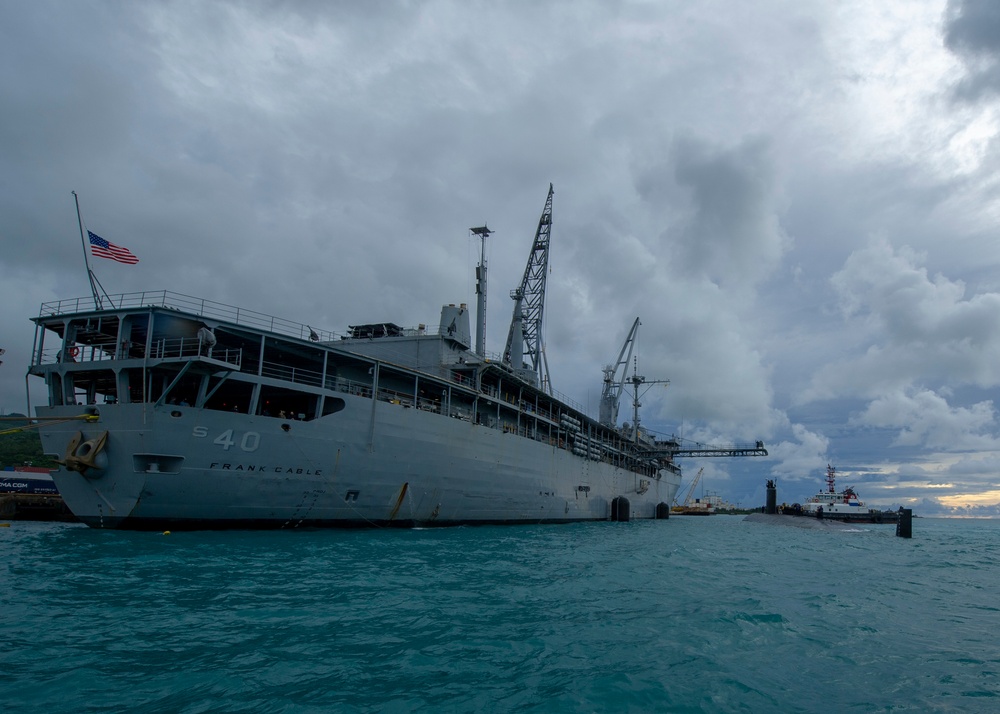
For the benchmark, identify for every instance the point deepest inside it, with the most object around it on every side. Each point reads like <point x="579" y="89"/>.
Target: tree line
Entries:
<point x="21" y="448"/>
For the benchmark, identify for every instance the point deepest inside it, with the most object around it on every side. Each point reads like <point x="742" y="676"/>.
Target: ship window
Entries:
<point x="287" y="403"/>
<point x="159" y="380"/>
<point x="352" y="496"/>
<point x="97" y="387"/>
<point x="231" y="396"/>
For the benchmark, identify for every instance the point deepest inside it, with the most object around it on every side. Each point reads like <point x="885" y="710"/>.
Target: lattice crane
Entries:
<point x="613" y="384"/>
<point x="690" y="494"/>
<point x="524" y="352"/>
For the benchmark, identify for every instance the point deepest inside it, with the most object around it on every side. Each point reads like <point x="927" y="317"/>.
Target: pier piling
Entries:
<point x="904" y="526"/>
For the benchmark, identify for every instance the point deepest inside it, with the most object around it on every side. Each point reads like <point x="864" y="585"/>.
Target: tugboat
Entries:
<point x="844" y="505"/>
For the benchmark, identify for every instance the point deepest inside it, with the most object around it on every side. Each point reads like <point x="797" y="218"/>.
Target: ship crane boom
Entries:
<point x="524" y="353"/>
<point x="690" y="494"/>
<point x="755" y="449"/>
<point x="614" y="384"/>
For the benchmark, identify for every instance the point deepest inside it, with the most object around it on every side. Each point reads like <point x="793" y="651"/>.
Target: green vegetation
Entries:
<point x="21" y="448"/>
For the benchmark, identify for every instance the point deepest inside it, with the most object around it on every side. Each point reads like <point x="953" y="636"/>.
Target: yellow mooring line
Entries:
<point x="34" y="423"/>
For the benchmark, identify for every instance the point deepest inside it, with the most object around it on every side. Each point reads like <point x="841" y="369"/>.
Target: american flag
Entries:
<point x="101" y="248"/>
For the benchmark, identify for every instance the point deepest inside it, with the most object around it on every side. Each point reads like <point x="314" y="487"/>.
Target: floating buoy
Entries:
<point x="662" y="510"/>
<point x="166" y="532"/>
<point x="4" y="525"/>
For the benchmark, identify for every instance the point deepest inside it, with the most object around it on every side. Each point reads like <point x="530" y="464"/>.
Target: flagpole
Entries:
<point x="86" y="260"/>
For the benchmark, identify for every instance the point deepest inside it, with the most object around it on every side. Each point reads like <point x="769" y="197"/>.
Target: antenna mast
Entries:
<point x="483" y="232"/>
<point x="637" y="381"/>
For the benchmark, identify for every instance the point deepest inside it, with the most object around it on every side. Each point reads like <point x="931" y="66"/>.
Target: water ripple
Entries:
<point x="691" y="615"/>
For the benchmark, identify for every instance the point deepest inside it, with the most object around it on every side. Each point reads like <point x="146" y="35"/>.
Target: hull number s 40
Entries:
<point x="248" y="441"/>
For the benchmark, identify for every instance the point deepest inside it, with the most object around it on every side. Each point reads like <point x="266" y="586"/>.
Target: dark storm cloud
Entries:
<point x="972" y="31"/>
<point x="61" y="107"/>
<point x="732" y="233"/>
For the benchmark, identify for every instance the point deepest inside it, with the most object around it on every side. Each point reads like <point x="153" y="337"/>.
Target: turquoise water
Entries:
<point x="687" y="615"/>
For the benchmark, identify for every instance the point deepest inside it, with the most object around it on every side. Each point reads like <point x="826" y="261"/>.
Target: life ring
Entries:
<point x="73" y="352"/>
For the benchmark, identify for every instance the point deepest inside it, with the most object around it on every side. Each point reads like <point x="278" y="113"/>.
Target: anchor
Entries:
<point x="81" y="456"/>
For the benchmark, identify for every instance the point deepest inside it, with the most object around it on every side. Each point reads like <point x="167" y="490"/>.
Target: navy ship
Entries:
<point x="167" y="411"/>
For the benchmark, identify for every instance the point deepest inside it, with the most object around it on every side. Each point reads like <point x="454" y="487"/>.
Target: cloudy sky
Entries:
<point x="799" y="199"/>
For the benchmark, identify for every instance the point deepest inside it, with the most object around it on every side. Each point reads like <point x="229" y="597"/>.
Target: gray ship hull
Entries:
<point x="374" y="463"/>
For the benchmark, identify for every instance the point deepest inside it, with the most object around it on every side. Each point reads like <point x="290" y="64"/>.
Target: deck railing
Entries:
<point x="100" y="351"/>
<point x="291" y="374"/>
<point x="194" y="305"/>
<point x="172" y="348"/>
<point x="207" y="309"/>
